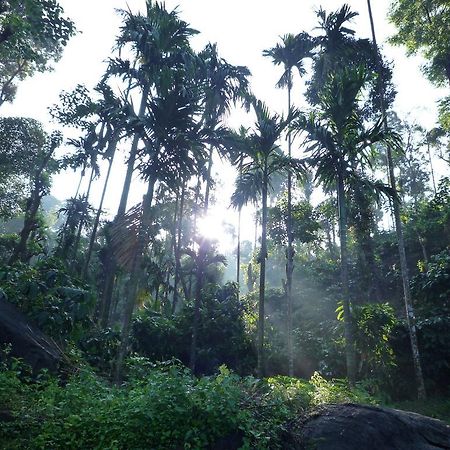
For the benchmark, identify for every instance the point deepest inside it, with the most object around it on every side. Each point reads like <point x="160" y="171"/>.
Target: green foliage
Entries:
<point x="99" y="347"/>
<point x="438" y="408"/>
<point x="32" y="34"/>
<point x="58" y="304"/>
<point x="160" y="407"/>
<point x="305" y="225"/>
<point x="431" y="287"/>
<point x="374" y="327"/>
<point x="21" y="148"/>
<point x="336" y="391"/>
<point x="222" y="338"/>
<point x="423" y="26"/>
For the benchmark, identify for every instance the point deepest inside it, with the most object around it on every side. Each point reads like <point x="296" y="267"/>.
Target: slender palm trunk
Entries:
<point x="348" y="324"/>
<point x="199" y="272"/>
<point x="262" y="277"/>
<point x="112" y="151"/>
<point x="238" y="252"/>
<point x="289" y="250"/>
<point x="83" y="171"/>
<point x="177" y="249"/>
<point x="132" y="158"/>
<point x="108" y="288"/>
<point x="410" y="317"/>
<point x="431" y="165"/>
<point x="83" y="215"/>
<point x="208" y="181"/>
<point x="188" y="286"/>
<point x="197" y="302"/>
<point x="133" y="283"/>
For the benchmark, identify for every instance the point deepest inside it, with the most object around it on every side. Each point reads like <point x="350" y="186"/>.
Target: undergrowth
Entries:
<point x="158" y="407"/>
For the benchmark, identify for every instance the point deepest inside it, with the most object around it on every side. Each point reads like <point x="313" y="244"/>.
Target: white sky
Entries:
<point x="242" y="30"/>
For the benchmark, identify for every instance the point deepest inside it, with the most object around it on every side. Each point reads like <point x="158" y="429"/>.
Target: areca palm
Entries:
<point x="223" y="86"/>
<point x="339" y="145"/>
<point x="159" y="44"/>
<point x="338" y="48"/>
<point x="291" y="53"/>
<point x="174" y="148"/>
<point x="410" y="317"/>
<point x="165" y="123"/>
<point x="262" y="160"/>
<point x="113" y="113"/>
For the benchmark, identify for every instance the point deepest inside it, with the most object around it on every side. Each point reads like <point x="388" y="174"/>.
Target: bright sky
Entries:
<point x="242" y="30"/>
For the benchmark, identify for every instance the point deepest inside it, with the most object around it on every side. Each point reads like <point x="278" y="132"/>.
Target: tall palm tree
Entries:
<point x="263" y="160"/>
<point x="339" y="145"/>
<point x="204" y="257"/>
<point x="410" y="316"/>
<point x="291" y="53"/>
<point x="113" y="113"/>
<point x="159" y="44"/>
<point x="223" y="86"/>
<point x="338" y="48"/>
<point x="174" y="147"/>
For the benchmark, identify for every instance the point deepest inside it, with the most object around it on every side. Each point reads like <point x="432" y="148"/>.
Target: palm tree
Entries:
<point x="338" y="48"/>
<point x="159" y="43"/>
<point x="263" y="161"/>
<point x="290" y="53"/>
<point x="174" y="147"/>
<point x="204" y="257"/>
<point x="339" y="146"/>
<point x="410" y="316"/>
<point x="223" y="85"/>
<point x="113" y="113"/>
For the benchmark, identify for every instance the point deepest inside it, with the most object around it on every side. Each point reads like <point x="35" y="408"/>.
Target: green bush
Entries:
<point x="161" y="407"/>
<point x="60" y="305"/>
<point x="223" y="337"/>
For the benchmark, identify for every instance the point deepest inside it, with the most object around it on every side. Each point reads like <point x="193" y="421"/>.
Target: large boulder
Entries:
<point x="359" y="427"/>
<point x="27" y="340"/>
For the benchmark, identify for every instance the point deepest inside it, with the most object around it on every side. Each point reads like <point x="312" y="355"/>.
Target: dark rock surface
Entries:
<point x="359" y="427"/>
<point x="27" y="341"/>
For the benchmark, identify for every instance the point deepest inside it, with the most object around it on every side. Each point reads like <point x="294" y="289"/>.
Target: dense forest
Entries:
<point x="138" y="328"/>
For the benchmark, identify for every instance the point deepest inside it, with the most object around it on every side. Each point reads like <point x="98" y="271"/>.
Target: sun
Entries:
<point x="211" y="227"/>
<point x="218" y="225"/>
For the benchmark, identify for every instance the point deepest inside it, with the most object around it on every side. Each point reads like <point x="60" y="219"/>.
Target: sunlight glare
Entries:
<point x="214" y="227"/>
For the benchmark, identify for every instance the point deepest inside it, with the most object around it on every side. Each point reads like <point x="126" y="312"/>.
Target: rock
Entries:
<point x="27" y="340"/>
<point x="359" y="427"/>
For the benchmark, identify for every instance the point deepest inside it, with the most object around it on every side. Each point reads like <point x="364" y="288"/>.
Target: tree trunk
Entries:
<point x="29" y="224"/>
<point x="238" y="252"/>
<point x="133" y="282"/>
<point x="111" y="276"/>
<point x="132" y="158"/>
<point x="431" y="165"/>
<point x="262" y="277"/>
<point x="83" y="215"/>
<point x="111" y="150"/>
<point x="188" y="287"/>
<point x="348" y="324"/>
<point x="197" y="302"/>
<point x="289" y="250"/>
<point x="421" y="393"/>
<point x="208" y="181"/>
<point x="33" y="203"/>
<point x="177" y="250"/>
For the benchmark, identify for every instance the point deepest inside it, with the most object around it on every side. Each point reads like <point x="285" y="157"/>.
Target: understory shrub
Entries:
<point x="161" y="407"/>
